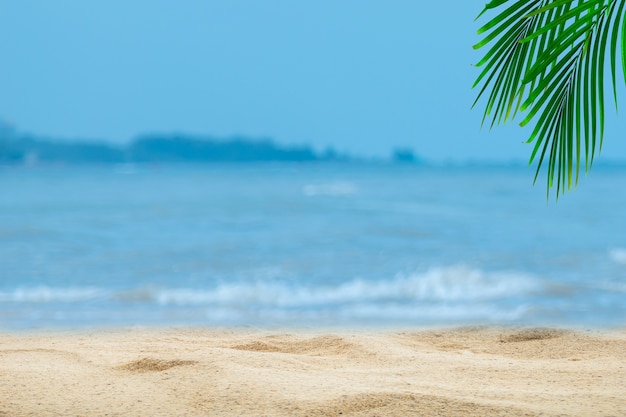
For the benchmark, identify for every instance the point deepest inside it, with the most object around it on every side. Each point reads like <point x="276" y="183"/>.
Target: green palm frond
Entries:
<point x="547" y="59"/>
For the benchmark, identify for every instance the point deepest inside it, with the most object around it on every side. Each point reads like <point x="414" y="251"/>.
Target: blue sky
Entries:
<point x="361" y="76"/>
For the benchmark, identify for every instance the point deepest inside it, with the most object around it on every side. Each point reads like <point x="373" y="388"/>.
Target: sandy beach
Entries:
<point x="251" y="372"/>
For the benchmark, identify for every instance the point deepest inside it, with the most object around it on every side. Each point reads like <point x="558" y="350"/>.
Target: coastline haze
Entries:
<point x="361" y="77"/>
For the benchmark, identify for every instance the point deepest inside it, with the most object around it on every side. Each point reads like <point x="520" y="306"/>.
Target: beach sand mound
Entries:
<point x="153" y="365"/>
<point x="317" y="346"/>
<point x="528" y="343"/>
<point x="528" y="335"/>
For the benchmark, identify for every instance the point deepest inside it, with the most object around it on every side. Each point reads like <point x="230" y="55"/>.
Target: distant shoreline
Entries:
<point x="30" y="150"/>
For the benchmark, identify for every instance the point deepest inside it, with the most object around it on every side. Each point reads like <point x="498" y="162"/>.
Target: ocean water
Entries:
<point x="308" y="245"/>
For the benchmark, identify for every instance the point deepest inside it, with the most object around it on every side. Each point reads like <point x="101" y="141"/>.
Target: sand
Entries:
<point x="250" y="372"/>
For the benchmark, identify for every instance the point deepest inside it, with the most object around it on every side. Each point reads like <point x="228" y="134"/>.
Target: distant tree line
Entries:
<point x="19" y="149"/>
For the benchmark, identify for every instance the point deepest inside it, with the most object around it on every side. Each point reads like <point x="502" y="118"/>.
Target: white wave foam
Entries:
<point x="453" y="285"/>
<point x="450" y="284"/>
<point x="43" y="294"/>
<point x="338" y="188"/>
<point x="618" y="255"/>
<point x="449" y="294"/>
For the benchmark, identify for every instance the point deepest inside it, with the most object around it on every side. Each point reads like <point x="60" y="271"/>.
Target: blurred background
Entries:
<point x="281" y="163"/>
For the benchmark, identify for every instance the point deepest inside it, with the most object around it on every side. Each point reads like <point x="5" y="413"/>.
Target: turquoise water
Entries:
<point x="308" y="245"/>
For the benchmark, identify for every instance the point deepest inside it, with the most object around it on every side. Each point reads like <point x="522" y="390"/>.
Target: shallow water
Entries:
<point x="313" y="245"/>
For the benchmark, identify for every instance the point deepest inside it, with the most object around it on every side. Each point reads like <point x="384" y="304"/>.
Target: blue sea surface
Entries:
<point x="308" y="245"/>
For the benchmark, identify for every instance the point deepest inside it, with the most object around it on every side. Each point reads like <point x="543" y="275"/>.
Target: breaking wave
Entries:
<point x="445" y="294"/>
<point x="435" y="285"/>
<point x="446" y="284"/>
<point x="44" y="294"/>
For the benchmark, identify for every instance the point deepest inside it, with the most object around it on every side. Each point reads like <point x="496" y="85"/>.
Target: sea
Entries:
<point x="313" y="245"/>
